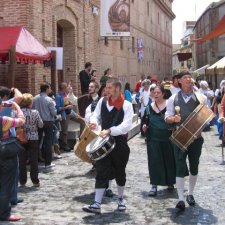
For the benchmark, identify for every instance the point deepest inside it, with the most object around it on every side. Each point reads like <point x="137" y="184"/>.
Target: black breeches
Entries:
<point x="113" y="165"/>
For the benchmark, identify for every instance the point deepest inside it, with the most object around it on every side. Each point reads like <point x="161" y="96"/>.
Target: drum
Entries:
<point x="86" y="137"/>
<point x="100" y="147"/>
<point x="192" y="127"/>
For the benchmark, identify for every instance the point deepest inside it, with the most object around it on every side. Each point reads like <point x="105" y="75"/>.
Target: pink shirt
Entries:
<point x="7" y="123"/>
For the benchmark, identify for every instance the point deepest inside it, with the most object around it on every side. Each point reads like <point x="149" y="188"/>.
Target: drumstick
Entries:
<point x="86" y="124"/>
<point x="177" y="110"/>
<point x="81" y="118"/>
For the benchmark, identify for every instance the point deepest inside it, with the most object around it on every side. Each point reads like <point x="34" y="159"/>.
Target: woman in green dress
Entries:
<point x="107" y="75"/>
<point x="161" y="161"/>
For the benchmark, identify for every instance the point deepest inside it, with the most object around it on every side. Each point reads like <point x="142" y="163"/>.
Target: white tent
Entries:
<point x="217" y="68"/>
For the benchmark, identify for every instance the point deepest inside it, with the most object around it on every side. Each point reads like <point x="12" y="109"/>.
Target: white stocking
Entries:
<point x="120" y="190"/>
<point x="110" y="184"/>
<point x="180" y="188"/>
<point x="192" y="183"/>
<point x="99" y="192"/>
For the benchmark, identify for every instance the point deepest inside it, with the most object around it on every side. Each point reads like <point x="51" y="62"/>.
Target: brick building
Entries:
<point x="209" y="52"/>
<point x="71" y="24"/>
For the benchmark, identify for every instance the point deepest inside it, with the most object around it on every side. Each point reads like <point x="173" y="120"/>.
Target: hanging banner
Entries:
<point x="59" y="56"/>
<point x="115" y="18"/>
<point x="140" y="49"/>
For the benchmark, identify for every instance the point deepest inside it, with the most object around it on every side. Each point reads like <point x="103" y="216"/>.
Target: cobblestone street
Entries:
<point x="70" y="185"/>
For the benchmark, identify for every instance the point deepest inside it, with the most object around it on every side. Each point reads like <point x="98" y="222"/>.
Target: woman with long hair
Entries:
<point x="127" y="92"/>
<point x="106" y="76"/>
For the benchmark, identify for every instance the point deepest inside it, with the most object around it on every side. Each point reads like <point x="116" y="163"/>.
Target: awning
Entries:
<point x="184" y="56"/>
<point x="201" y="71"/>
<point x="28" y="48"/>
<point x="219" y="30"/>
<point x="217" y="68"/>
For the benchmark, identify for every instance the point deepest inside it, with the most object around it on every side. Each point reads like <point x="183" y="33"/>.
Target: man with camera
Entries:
<point x="86" y="76"/>
<point x="8" y="96"/>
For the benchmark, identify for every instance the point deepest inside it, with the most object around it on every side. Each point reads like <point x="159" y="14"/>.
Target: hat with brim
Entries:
<point x="175" y="77"/>
<point x="183" y="73"/>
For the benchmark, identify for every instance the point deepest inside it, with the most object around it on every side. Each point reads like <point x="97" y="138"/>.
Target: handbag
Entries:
<point x="9" y="147"/>
<point x="21" y="135"/>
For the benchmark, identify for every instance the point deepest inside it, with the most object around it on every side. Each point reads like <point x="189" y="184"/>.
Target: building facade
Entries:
<point x="75" y="26"/>
<point x="151" y="22"/>
<point x="211" y="51"/>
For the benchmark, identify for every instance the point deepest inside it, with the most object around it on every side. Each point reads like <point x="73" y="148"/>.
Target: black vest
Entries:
<point x="110" y="118"/>
<point x="185" y="108"/>
<point x="94" y="104"/>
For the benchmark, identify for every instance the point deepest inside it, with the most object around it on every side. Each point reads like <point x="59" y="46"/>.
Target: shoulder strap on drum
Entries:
<point x="201" y="98"/>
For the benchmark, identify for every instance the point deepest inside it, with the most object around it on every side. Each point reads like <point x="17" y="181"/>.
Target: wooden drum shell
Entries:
<point x="192" y="127"/>
<point x="80" y="148"/>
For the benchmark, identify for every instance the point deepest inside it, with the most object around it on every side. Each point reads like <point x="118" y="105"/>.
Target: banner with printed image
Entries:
<point x="115" y="18"/>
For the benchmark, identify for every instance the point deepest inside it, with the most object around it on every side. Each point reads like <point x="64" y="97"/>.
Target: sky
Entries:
<point x="187" y="10"/>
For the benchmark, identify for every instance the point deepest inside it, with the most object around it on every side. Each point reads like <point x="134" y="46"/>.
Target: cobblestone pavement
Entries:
<point x="66" y="189"/>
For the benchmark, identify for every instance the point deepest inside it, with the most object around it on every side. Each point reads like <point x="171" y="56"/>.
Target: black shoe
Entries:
<point x="190" y="200"/>
<point x="109" y="193"/>
<point x="121" y="205"/>
<point x="181" y="205"/>
<point x="153" y="191"/>
<point x="93" y="208"/>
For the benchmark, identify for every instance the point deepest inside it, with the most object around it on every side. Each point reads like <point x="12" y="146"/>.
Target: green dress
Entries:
<point x="104" y="79"/>
<point x="161" y="162"/>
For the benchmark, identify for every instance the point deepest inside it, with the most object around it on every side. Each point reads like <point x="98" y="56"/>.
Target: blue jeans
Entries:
<point x="48" y="129"/>
<point x="7" y="180"/>
<point x="15" y="185"/>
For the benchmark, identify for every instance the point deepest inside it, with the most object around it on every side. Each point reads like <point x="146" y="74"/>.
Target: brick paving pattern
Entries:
<point x="66" y="189"/>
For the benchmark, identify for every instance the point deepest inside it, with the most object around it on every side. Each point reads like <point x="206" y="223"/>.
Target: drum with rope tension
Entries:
<point x="192" y="127"/>
<point x="100" y="147"/>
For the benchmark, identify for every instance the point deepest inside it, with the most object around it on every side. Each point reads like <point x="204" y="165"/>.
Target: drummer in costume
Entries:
<point x="96" y="92"/>
<point x="187" y="100"/>
<point x="115" y="117"/>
